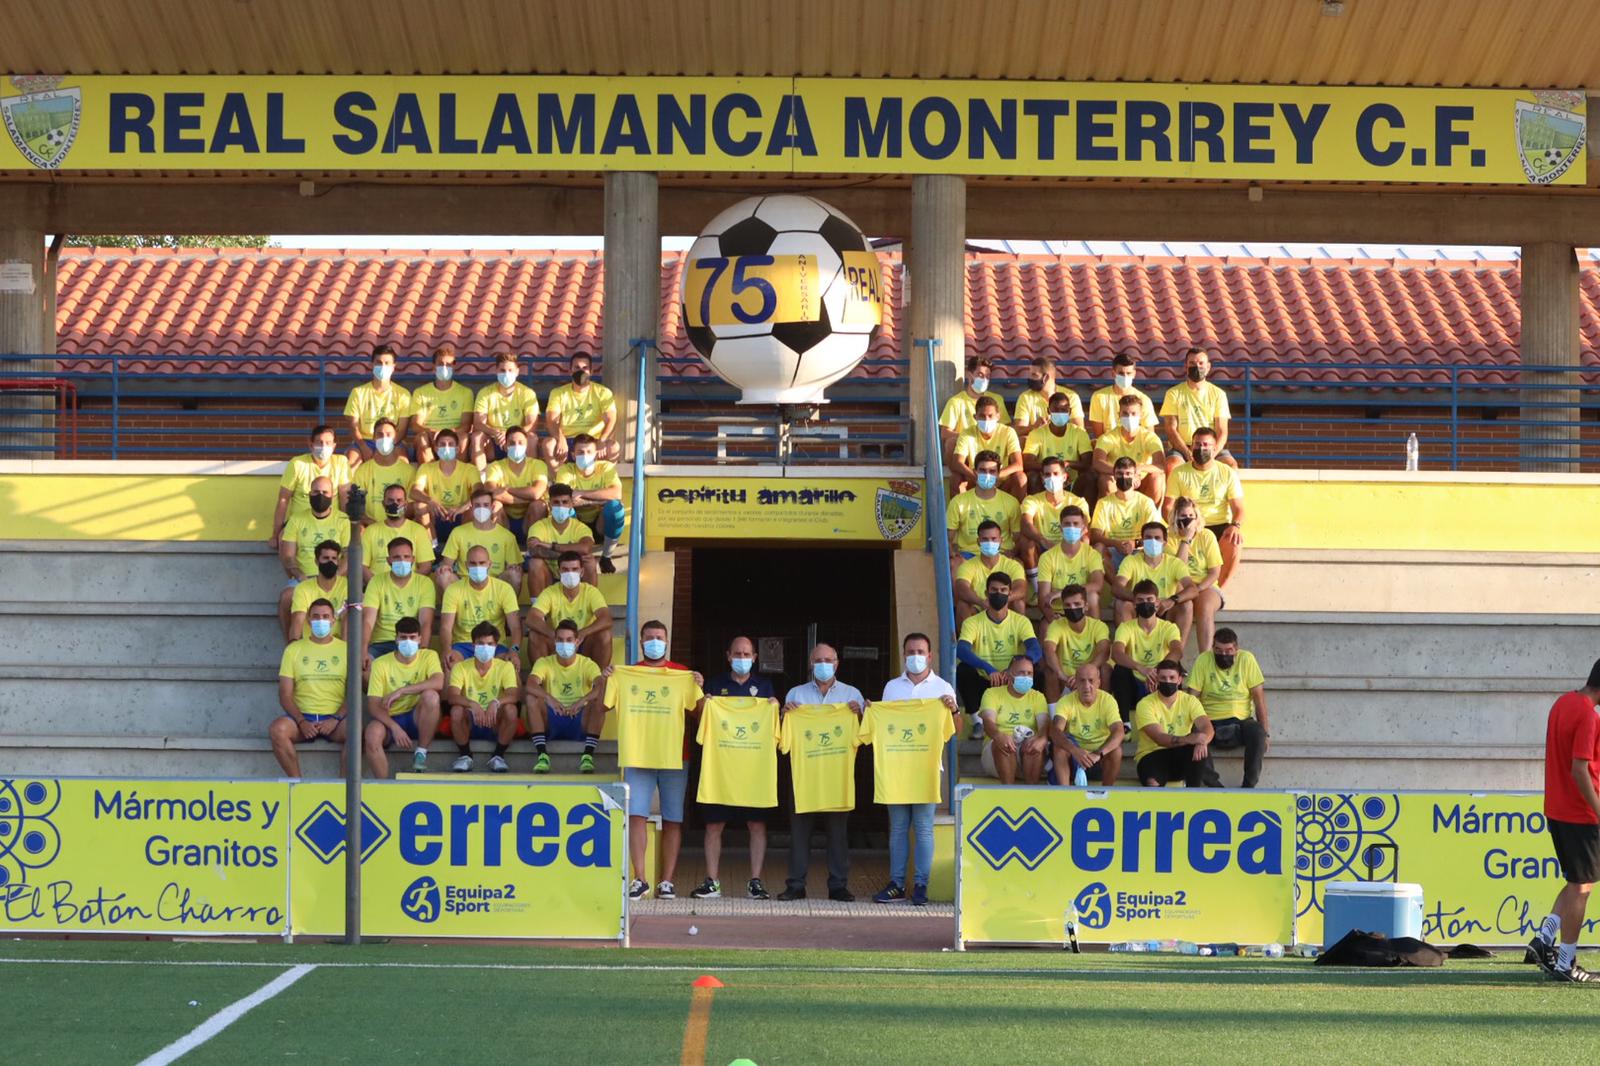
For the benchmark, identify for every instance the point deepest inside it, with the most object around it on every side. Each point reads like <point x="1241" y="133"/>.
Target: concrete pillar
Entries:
<point x="26" y="422"/>
<point x="1549" y="305"/>
<point x="937" y="291"/>
<point x="632" y="298"/>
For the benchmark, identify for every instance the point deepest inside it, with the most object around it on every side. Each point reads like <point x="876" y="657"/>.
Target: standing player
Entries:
<point x="1572" y="807"/>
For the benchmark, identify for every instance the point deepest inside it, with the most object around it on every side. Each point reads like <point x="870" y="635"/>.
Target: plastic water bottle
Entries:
<point x="1411" y="452"/>
<point x="1273" y="951"/>
<point x="1186" y="948"/>
<point x="1306" y="951"/>
<point x="1124" y="948"/>
<point x="1069" y="923"/>
<point x="1206" y="951"/>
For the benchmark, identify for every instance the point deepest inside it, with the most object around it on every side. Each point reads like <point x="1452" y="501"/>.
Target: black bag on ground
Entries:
<point x="1374" y="949"/>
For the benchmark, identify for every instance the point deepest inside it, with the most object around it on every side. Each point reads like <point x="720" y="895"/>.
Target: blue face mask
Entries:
<point x="506" y="378"/>
<point x="741" y="664"/>
<point x="443" y="373"/>
<point x="823" y="671"/>
<point x="516" y="452"/>
<point x="565" y="649"/>
<point x="562" y="514"/>
<point x="407" y="647"/>
<point x="483" y="652"/>
<point x="989" y="548"/>
<point x="584" y="461"/>
<point x="1153" y="547"/>
<point x="478" y="574"/>
<point x="655" y="649"/>
<point x="915" y="664"/>
<point x="382" y="372"/>
<point x="321" y="627"/>
<point x="447" y="452"/>
<point x="987" y="481"/>
<point x="987" y="426"/>
<point x="1071" y="534"/>
<point x="1023" y="685"/>
<point x="1060" y="419"/>
<point x="400" y="568"/>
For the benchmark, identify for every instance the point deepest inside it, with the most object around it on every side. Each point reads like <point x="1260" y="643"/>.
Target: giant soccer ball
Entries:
<point x="810" y="257"/>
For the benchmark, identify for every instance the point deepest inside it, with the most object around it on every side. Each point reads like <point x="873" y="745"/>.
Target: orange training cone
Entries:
<point x="707" y="982"/>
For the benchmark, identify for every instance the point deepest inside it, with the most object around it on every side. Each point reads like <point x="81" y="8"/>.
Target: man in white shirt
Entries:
<point x="919" y="682"/>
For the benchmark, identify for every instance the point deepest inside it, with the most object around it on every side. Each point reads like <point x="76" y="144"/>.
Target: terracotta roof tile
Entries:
<point x="1408" y="320"/>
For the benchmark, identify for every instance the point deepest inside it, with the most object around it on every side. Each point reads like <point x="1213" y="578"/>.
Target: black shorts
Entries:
<point x="712" y="813"/>
<point x="1577" y="850"/>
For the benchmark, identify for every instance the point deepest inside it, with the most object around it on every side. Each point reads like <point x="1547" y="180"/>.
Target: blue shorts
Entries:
<point x="408" y="724"/>
<point x="518" y="527"/>
<point x="442" y="528"/>
<point x="479" y="732"/>
<point x="607" y="520"/>
<point x="562" y="726"/>
<point x="379" y="648"/>
<point x="642" y="785"/>
<point x="317" y="718"/>
<point x="501" y="651"/>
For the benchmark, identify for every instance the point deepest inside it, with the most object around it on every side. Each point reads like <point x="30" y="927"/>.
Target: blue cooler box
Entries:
<point x="1385" y="907"/>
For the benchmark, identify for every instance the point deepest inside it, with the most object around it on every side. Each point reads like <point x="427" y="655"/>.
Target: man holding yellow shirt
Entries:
<point x="988" y="435"/>
<point x="311" y="684"/>
<point x="1014" y="718"/>
<point x="520" y="484"/>
<point x="404" y="694"/>
<point x="1193" y="404"/>
<point x="483" y="693"/>
<point x="1214" y="487"/>
<point x="1173" y="733"/>
<point x="377" y="399"/>
<point x="498" y="407"/>
<point x="442" y="488"/>
<point x="1087" y="731"/>
<point x="585" y="406"/>
<point x="1230" y="686"/>
<point x="443" y="403"/>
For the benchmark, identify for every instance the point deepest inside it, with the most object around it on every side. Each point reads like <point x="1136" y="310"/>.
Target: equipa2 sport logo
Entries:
<point x="41" y="117"/>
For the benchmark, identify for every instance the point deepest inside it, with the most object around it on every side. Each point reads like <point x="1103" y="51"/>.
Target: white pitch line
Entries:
<point x="226" y="1017"/>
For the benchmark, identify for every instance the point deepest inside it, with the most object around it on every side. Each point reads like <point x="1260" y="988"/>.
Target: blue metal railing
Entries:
<point x="938" y="545"/>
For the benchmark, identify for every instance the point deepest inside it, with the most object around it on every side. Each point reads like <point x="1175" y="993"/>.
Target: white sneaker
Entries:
<point x="498" y="765"/>
<point x="665" y="891"/>
<point x="462" y="765"/>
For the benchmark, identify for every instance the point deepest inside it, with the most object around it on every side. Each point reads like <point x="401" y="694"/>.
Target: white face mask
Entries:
<point x="1054" y="483"/>
<point x="1123" y="380"/>
<point x="980" y="385"/>
<point x="1130" y="422"/>
<point x="443" y="373"/>
<point x="320" y="452"/>
<point x="570" y="579"/>
<point x="385" y="445"/>
<point x="482" y="514"/>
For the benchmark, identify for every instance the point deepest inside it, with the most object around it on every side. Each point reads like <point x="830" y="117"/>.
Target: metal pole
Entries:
<point x="944" y="596"/>
<point x="354" y="653"/>
<point x="1455" y="418"/>
<point x="116" y="406"/>
<point x="636" y="520"/>
<point x="1249" y="417"/>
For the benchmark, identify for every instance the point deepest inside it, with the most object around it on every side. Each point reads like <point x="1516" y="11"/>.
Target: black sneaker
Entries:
<point x="789" y="895"/>
<point x="606" y="565"/>
<point x="637" y="889"/>
<point x="1539" y="954"/>
<point x="1576" y="975"/>
<point x="919" y="895"/>
<point x="842" y="895"/>
<point x="707" y="889"/>
<point x="892" y="892"/>
<point x="757" y="890"/>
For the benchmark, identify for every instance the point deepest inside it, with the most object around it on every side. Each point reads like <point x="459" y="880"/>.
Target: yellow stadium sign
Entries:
<point x="795" y="508"/>
<point x="1135" y="864"/>
<point x="446" y="860"/>
<point x="793" y="126"/>
<point x="156" y="857"/>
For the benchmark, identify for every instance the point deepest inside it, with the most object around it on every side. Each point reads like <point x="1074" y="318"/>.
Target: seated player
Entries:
<point x="376" y="537"/>
<point x="520" y="484"/>
<point x="1174" y="590"/>
<point x="988" y="434"/>
<point x="443" y="403"/>
<point x="1062" y="436"/>
<point x="483" y="694"/>
<point x="972" y="576"/>
<point x="1191" y="404"/>
<point x="549" y="537"/>
<point x="1014" y="719"/>
<point x="563" y="699"/>
<point x="1138" y="645"/>
<point x="328" y="583"/>
<point x="1130" y="440"/>
<point x="1229" y="684"/>
<point x="1041" y="515"/>
<point x="1106" y="402"/>
<point x="1196" y="547"/>
<point x="1119" y="515"/>
<point x="498" y="407"/>
<point x="597" y="494"/>
<point x="1071" y="562"/>
<point x="1033" y="405"/>
<point x="297" y="547"/>
<point x="983" y="502"/>
<point x="1086" y="731"/>
<point x="479" y="599"/>
<point x="1214" y="487"/>
<point x="311" y="683"/>
<point x="372" y="400"/>
<point x="505" y="554"/>
<point x="1074" y="640"/>
<point x="396" y="594"/>
<point x="440" y="491"/>
<point x="404" y="697"/>
<point x="574" y="601"/>
<point x="960" y="410"/>
<point x="987" y="643"/>
<point x="1173" y="733"/>
<point x="388" y="466"/>
<point x="294" y="487"/>
<point x="585" y="407"/>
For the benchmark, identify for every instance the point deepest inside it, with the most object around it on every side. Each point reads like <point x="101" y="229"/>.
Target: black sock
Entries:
<point x="538" y="743"/>
<point x="500" y="750"/>
<point x="591" y="741"/>
<point x="465" y="749"/>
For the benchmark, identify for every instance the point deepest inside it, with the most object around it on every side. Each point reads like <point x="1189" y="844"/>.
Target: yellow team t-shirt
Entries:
<point x="1147" y="649"/>
<point x="582" y="412"/>
<point x="1144" y="448"/>
<point x="1119" y="520"/>
<point x="1176" y="720"/>
<point x="1168" y="572"/>
<point x="1210" y="490"/>
<point x="389" y="673"/>
<point x="502" y="410"/>
<point x="1225" y="694"/>
<point x="498" y="541"/>
<point x="375" y="544"/>
<point x="1003" y="442"/>
<point x="308" y="592"/>
<point x="602" y="476"/>
<point x="1089" y="726"/>
<point x="492" y="603"/>
<point x="373" y="477"/>
<point x="1045" y="513"/>
<point x="301" y="471"/>
<point x="307" y="531"/>
<point x="1195" y="407"/>
<point x="580" y="610"/>
<point x="1044" y="443"/>
<point x="318" y="671"/>
<point x="738" y="739"/>
<point x="502" y="475"/>
<point x="961" y="411"/>
<point x="566" y="684"/>
<point x="449" y="489"/>
<point x="438" y="408"/>
<point x="1103" y="408"/>
<point x="997" y="643"/>
<point x="545" y="532"/>
<point x="1033" y="408"/>
<point x="968" y="511"/>
<point x="1011" y="710"/>
<point x="394" y="601"/>
<point x="1204" y="554"/>
<point x="821" y="740"/>
<point x="367" y="403"/>
<point x="1075" y="647"/>
<point x="1058" y="569"/>
<point x="485" y="686"/>
<point x="974" y="573"/>
<point x="650" y="703"/>
<point x="907" y="738"/>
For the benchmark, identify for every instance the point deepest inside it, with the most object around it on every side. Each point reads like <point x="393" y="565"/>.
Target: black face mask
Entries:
<point x="1201" y="458"/>
<point x="1185" y="521"/>
<point x="1036" y="384"/>
<point x="998" y="600"/>
<point x="1074" y="614"/>
<point x="1224" y="662"/>
<point x="1196" y="374"/>
<point x="1167" y="688"/>
<point x="321" y="501"/>
<point x="328" y="568"/>
<point x="393" y="509"/>
<point x="1145" y="610"/>
<point x="1124" y="482"/>
<point x="580" y="376"/>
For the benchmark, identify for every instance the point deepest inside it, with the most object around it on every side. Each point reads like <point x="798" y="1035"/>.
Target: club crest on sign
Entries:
<point x="1550" y="134"/>
<point x="41" y="117"/>
<point x="897" y="508"/>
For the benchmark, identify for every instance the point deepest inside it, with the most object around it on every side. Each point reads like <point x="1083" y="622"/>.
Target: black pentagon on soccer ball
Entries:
<point x="842" y="237"/>
<point x="801" y="337"/>
<point x="748" y="237"/>
<point x="701" y="337"/>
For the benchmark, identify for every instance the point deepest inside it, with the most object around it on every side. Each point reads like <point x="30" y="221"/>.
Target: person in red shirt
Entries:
<point x="1572" y="808"/>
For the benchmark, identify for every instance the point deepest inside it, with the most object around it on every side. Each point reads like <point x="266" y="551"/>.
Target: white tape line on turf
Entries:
<point x="226" y="1017"/>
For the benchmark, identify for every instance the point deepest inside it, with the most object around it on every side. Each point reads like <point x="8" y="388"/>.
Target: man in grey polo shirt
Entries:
<point x="823" y="687"/>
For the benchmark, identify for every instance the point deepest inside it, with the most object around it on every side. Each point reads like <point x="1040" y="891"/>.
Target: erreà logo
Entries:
<point x="1028" y="838"/>
<point x="1205" y="841"/>
<point x="323" y="832"/>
